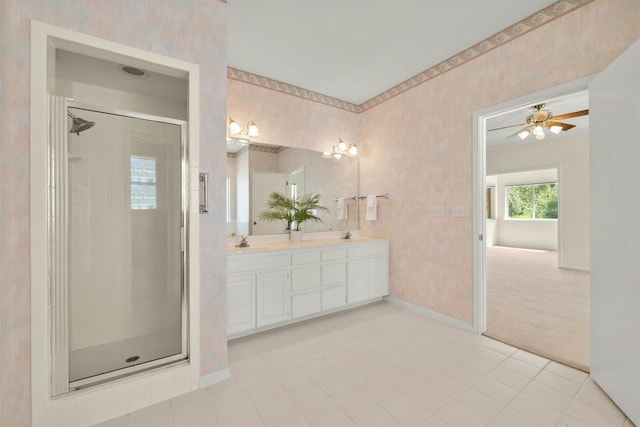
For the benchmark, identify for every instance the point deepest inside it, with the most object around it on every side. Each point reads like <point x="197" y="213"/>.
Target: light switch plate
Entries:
<point x="460" y="211"/>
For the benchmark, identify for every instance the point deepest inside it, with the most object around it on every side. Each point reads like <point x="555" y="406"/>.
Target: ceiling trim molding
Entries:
<point x="520" y="28"/>
<point x="267" y="83"/>
<point x="528" y="24"/>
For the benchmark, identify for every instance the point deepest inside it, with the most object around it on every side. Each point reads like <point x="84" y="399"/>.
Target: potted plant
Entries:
<point x="292" y="213"/>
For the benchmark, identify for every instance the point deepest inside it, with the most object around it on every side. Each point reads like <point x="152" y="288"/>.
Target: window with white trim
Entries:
<point x="532" y="201"/>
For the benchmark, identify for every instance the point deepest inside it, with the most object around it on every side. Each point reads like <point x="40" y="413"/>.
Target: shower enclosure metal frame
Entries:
<point x="58" y="246"/>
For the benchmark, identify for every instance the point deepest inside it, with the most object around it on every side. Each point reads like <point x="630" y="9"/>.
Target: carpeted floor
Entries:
<point x="533" y="305"/>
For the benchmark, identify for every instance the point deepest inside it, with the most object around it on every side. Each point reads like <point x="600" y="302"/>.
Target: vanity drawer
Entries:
<point x="306" y="304"/>
<point x="367" y="250"/>
<point x="306" y="257"/>
<point x="334" y="254"/>
<point x="303" y="278"/>
<point x="334" y="298"/>
<point x="250" y="262"/>
<point x="334" y="274"/>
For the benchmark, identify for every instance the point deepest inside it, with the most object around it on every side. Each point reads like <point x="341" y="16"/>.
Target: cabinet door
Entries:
<point x="334" y="274"/>
<point x="334" y="297"/>
<point x="305" y="304"/>
<point x="378" y="277"/>
<point x="357" y="280"/>
<point x="272" y="289"/>
<point x="241" y="294"/>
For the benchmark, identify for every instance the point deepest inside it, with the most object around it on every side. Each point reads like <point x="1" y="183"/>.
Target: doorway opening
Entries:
<point x="531" y="262"/>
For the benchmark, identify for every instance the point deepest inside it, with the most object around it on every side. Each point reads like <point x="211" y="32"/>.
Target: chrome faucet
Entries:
<point x="243" y="243"/>
<point x="346" y="235"/>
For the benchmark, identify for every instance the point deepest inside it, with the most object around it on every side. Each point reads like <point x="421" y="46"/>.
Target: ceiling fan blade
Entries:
<point x="506" y="127"/>
<point x="565" y="126"/>
<point x="571" y="115"/>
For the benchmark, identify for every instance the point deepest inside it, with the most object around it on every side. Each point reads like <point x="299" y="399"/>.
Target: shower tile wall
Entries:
<point x="114" y="258"/>
<point x="122" y="284"/>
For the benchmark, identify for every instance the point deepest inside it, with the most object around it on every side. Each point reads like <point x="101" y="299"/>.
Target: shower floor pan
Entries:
<point x="105" y="358"/>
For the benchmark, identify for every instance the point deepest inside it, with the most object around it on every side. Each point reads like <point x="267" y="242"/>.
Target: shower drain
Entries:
<point x="132" y="359"/>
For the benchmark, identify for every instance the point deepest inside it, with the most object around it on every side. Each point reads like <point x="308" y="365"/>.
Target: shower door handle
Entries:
<point x="204" y="190"/>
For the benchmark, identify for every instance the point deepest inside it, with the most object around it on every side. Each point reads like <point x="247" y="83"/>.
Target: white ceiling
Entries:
<point x="354" y="50"/>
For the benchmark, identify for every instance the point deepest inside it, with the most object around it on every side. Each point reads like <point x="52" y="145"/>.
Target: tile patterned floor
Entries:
<point x="382" y="365"/>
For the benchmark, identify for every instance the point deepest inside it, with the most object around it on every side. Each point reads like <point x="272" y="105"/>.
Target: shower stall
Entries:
<point x="118" y="221"/>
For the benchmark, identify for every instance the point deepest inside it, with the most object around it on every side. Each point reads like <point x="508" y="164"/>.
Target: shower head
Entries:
<point x="79" y="125"/>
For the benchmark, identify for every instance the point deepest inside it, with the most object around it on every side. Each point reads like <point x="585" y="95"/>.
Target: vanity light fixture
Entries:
<point x="342" y="149"/>
<point x="236" y="134"/>
<point x="252" y="129"/>
<point x="234" y="127"/>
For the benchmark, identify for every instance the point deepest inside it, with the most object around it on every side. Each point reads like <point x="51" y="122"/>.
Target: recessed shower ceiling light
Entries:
<point x="137" y="72"/>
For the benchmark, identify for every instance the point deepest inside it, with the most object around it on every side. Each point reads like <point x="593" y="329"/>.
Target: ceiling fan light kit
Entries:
<point x="542" y="118"/>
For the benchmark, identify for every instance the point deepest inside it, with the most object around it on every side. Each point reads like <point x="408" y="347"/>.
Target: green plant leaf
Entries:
<point x="292" y="213"/>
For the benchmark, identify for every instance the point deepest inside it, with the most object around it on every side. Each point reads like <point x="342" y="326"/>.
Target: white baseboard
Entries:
<point x="214" y="377"/>
<point x="430" y="313"/>
<point x="573" y="267"/>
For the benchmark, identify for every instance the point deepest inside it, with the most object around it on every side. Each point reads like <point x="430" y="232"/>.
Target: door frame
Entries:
<point x="480" y="118"/>
<point x="45" y="39"/>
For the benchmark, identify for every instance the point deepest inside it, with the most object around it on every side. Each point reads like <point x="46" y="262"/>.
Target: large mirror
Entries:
<point x="254" y="171"/>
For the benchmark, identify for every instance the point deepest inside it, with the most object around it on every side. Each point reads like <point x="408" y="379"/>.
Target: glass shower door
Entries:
<point x="126" y="220"/>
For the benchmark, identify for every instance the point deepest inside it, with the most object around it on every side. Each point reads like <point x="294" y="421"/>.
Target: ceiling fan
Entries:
<point x="541" y="118"/>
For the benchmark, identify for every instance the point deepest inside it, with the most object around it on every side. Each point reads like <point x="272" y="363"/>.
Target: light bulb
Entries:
<point x="353" y="150"/>
<point x="252" y="129"/>
<point x="555" y="129"/>
<point x="234" y="127"/>
<point x="523" y="134"/>
<point x="539" y="132"/>
<point x="342" y="146"/>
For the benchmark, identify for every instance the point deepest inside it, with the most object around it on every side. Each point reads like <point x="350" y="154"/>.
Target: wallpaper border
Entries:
<point x="520" y="28"/>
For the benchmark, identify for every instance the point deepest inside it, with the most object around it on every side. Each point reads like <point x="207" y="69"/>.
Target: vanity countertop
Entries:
<point x="288" y="245"/>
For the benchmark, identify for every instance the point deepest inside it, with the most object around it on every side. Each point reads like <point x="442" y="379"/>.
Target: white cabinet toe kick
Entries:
<point x="273" y="288"/>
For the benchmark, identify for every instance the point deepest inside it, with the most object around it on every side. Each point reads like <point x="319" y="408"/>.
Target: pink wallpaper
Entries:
<point x="427" y="160"/>
<point x="194" y="31"/>
<point x="289" y="120"/>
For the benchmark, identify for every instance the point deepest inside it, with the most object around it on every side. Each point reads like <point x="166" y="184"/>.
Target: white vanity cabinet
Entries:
<point x="367" y="272"/>
<point x="241" y="303"/>
<point x="275" y="287"/>
<point x="306" y="279"/>
<point x="272" y="297"/>
<point x="318" y="280"/>
<point x="257" y="290"/>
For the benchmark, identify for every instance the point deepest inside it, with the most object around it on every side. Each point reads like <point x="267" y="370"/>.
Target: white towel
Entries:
<point x="372" y="208"/>
<point x="341" y="208"/>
